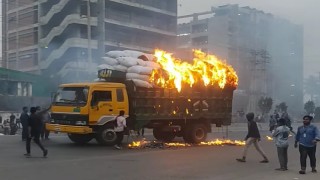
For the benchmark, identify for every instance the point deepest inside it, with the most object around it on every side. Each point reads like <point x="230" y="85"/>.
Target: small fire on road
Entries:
<point x="154" y="144"/>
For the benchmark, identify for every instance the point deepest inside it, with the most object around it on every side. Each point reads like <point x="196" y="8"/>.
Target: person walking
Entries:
<point x="34" y="130"/>
<point x="119" y="129"/>
<point x="281" y="134"/>
<point x="24" y="122"/>
<point x="253" y="137"/>
<point x="307" y="137"/>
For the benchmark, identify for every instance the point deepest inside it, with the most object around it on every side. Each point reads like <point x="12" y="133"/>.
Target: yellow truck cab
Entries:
<point x="85" y="110"/>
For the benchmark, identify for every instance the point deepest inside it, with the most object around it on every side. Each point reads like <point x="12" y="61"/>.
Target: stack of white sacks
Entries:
<point x="138" y="66"/>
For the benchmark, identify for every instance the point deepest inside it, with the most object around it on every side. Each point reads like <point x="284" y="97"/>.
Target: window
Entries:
<point x="98" y="96"/>
<point x="76" y="96"/>
<point x="120" y="97"/>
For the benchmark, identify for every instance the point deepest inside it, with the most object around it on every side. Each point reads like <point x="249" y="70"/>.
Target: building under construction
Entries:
<point x="65" y="39"/>
<point x="266" y="51"/>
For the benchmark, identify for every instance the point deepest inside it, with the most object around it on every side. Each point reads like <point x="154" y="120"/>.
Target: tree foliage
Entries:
<point x="282" y="107"/>
<point x="309" y="107"/>
<point x="317" y="114"/>
<point x="312" y="86"/>
<point x="265" y="104"/>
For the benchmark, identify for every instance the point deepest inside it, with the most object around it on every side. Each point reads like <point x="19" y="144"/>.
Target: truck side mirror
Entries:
<point x="53" y="96"/>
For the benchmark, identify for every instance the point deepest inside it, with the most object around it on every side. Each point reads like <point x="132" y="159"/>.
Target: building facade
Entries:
<point x="20" y="89"/>
<point x="65" y="39"/>
<point x="266" y="52"/>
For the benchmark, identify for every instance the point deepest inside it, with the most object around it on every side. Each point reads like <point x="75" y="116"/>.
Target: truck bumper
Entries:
<point x="68" y="129"/>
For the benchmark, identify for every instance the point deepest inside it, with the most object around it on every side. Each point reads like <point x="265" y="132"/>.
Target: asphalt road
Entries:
<point x="67" y="161"/>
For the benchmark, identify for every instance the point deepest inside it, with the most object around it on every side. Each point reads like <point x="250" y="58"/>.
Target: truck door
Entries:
<point x="103" y="106"/>
<point x="122" y="101"/>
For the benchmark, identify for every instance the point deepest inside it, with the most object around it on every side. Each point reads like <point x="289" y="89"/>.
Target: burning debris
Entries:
<point x="271" y="138"/>
<point x="155" y="144"/>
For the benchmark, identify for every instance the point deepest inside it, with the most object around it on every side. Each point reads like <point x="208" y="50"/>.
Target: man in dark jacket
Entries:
<point x="253" y="137"/>
<point x="24" y="121"/>
<point x="34" y="130"/>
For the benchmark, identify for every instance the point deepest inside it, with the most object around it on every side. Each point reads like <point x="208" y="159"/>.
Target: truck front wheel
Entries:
<point x="163" y="135"/>
<point x="80" y="138"/>
<point x="106" y="136"/>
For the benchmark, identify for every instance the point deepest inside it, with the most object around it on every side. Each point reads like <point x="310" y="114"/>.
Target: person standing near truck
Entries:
<point x="24" y="122"/>
<point x="13" y="126"/>
<point x="119" y="129"/>
<point x="253" y="137"/>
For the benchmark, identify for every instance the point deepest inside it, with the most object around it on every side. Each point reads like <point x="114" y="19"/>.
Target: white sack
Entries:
<point x="132" y="53"/>
<point x="110" y="61"/>
<point x="128" y="61"/>
<point x="140" y="70"/>
<point x="120" y="68"/>
<point x="141" y="83"/>
<point x="147" y="57"/>
<point x="116" y="54"/>
<point x="137" y="76"/>
<point x="152" y="64"/>
<point x="105" y="66"/>
<point x="141" y="62"/>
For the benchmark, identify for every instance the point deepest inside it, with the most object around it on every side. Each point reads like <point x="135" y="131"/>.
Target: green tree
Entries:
<point x="309" y="107"/>
<point x="317" y="114"/>
<point x="283" y="107"/>
<point x="265" y="105"/>
<point x="312" y="86"/>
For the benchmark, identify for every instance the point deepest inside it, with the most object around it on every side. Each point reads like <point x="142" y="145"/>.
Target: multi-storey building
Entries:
<point x="266" y="52"/>
<point x="66" y="38"/>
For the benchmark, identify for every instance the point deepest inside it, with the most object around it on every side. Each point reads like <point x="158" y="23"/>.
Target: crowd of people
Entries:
<point x="306" y="138"/>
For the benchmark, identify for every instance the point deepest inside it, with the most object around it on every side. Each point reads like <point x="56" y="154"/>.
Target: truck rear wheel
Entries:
<point x="163" y="135"/>
<point x="80" y="138"/>
<point x="195" y="134"/>
<point x="106" y="136"/>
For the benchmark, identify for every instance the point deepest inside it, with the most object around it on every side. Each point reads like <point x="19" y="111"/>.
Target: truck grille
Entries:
<point x="68" y="119"/>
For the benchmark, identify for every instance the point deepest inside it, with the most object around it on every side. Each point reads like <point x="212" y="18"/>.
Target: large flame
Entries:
<point x="206" y="69"/>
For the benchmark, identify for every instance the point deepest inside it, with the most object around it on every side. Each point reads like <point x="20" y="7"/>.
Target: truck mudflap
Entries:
<point x="68" y="129"/>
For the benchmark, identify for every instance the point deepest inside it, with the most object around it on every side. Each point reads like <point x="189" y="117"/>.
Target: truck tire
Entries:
<point x="80" y="138"/>
<point x="106" y="136"/>
<point x="195" y="134"/>
<point x="163" y="135"/>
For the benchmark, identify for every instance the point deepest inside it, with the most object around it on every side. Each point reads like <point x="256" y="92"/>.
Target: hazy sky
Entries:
<point x="304" y="12"/>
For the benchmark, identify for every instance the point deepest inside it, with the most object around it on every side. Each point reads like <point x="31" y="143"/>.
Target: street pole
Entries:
<point x="89" y="33"/>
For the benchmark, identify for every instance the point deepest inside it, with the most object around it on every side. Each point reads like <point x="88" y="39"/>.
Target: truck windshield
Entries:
<point x="75" y="96"/>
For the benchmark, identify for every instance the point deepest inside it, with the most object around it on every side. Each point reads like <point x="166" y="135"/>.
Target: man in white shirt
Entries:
<point x="119" y="129"/>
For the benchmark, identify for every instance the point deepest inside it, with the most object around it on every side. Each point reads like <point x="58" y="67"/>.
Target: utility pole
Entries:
<point x="89" y="33"/>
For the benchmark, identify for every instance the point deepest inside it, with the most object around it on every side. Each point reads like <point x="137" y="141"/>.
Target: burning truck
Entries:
<point x="159" y="91"/>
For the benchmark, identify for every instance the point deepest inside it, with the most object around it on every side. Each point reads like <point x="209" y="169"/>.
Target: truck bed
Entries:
<point x="158" y="104"/>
